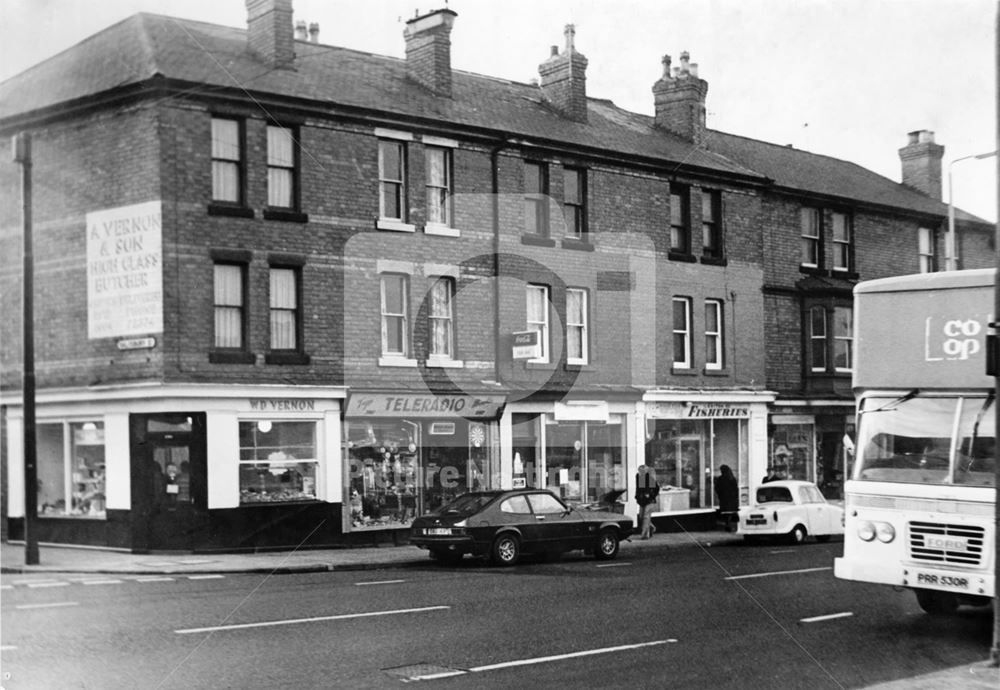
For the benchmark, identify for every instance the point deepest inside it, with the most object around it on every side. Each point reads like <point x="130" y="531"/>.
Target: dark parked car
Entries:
<point x="505" y="524"/>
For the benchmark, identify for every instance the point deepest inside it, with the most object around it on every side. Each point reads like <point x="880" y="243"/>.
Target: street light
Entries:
<point x="950" y="240"/>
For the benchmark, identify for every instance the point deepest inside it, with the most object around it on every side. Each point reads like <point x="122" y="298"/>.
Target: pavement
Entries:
<point x="65" y="559"/>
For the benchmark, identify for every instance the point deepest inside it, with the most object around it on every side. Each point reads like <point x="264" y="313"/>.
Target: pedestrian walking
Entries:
<point x="728" y="493"/>
<point x="646" y="491"/>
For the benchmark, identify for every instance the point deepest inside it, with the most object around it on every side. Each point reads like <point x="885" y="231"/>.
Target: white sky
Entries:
<point x="846" y="78"/>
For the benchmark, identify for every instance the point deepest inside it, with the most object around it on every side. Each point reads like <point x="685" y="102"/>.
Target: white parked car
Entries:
<point x="793" y="509"/>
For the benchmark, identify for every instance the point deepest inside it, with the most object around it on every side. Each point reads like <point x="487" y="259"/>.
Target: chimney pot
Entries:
<point x="314" y="32"/>
<point x="300" y="30"/>
<point x="553" y="51"/>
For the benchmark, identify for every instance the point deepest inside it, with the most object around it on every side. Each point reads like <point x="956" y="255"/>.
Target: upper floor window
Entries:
<point x="575" y="202"/>
<point x="227" y="160"/>
<point x="713" y="334"/>
<point x="538" y="318"/>
<point x="711" y="224"/>
<point x="926" y="242"/>
<point x="810" y="221"/>
<point x="392" y="179"/>
<point x="285" y="313"/>
<point x="439" y="185"/>
<point x="680" y="222"/>
<point x="536" y="198"/>
<point x="843" y="254"/>
<point x="281" y="168"/>
<point x="831" y="339"/>
<point x="395" y="314"/>
<point x="229" y="306"/>
<point x="441" y="319"/>
<point x="577" y="347"/>
<point x="682" y="332"/>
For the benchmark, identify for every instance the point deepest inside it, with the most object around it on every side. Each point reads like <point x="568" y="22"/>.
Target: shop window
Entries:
<point x="278" y="461"/>
<point x="527" y="450"/>
<point x="71" y="476"/>
<point x="282" y="171"/>
<point x="583" y="460"/>
<point x="538" y="318"/>
<point x="793" y="451"/>
<point x="439" y="185"/>
<point x="227" y="161"/>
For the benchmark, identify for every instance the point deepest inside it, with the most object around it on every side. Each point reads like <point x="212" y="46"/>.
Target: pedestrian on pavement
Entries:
<point x="646" y="491"/>
<point x="728" y="493"/>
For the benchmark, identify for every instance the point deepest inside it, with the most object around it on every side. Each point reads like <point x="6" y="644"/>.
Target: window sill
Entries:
<point x="394" y="225"/>
<point x="844" y="273"/>
<point x="441" y="230"/>
<point x="715" y="372"/>
<point x="534" y="364"/>
<point x="286" y="358"/>
<point x="681" y="256"/>
<point x="443" y="363"/>
<point x="577" y="366"/>
<point x="232" y="211"/>
<point x="287" y="216"/>
<point x="396" y="361"/>
<point x="538" y="241"/>
<point x="683" y="371"/>
<point x="577" y="244"/>
<point x="220" y="357"/>
<point x="813" y="270"/>
<point x="714" y="261"/>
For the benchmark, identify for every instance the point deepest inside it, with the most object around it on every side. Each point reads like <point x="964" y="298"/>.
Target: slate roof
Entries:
<point x="212" y="57"/>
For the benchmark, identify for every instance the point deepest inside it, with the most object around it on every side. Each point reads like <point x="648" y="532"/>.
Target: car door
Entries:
<point x="816" y="509"/>
<point x="556" y="526"/>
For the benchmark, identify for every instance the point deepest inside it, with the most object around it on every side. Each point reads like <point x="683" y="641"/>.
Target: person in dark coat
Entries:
<point x="646" y="491"/>
<point x="728" y="493"/>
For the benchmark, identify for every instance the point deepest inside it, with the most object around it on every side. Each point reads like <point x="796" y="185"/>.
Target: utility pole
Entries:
<point x="21" y="147"/>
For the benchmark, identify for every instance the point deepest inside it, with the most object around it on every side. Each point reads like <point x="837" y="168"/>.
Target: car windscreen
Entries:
<point x="466" y="504"/>
<point x="774" y="494"/>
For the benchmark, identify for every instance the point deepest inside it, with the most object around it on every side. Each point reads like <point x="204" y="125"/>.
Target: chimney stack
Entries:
<point x="921" y="159"/>
<point x="564" y="79"/>
<point x="679" y="100"/>
<point x="428" y="50"/>
<point x="270" y="32"/>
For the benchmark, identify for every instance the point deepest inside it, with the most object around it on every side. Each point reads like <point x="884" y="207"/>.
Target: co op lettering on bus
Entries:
<point x="960" y="338"/>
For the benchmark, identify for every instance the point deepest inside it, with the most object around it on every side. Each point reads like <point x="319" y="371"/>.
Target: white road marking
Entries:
<point x="154" y="579"/>
<point x="783" y="551"/>
<point x="36" y="585"/>
<point x="292" y="621"/>
<point x="48" y="606"/>
<point x="378" y="582"/>
<point x="28" y="582"/>
<point x="613" y="565"/>
<point x="6" y="586"/>
<point x="540" y="660"/>
<point x="100" y="582"/>
<point x="831" y="616"/>
<point x="205" y="577"/>
<point x="778" y="572"/>
<point x="7" y="647"/>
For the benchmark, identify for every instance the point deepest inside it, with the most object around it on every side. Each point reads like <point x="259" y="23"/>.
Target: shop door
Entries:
<point x="690" y="464"/>
<point x="168" y="480"/>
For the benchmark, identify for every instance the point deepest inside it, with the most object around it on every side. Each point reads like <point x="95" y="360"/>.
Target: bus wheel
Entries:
<point x="936" y="603"/>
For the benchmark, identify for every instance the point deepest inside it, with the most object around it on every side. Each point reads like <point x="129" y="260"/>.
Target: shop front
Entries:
<point x="410" y="453"/>
<point x="691" y="435"/>
<point x="812" y="442"/>
<point x="190" y="468"/>
<point x="576" y="449"/>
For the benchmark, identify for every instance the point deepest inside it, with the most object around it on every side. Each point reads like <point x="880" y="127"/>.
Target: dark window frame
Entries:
<point x="575" y="211"/>
<point x="294" y="170"/>
<point x="400" y="185"/>
<point x="297" y="354"/>
<point x="240" y="164"/>
<point x="680" y="220"/>
<point x="713" y="228"/>
<point x="536" y="201"/>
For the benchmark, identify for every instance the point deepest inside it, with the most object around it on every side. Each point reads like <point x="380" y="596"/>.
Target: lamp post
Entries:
<point x="950" y="240"/>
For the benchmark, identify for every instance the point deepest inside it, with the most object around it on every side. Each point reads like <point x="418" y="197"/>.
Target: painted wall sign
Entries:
<point x="125" y="271"/>
<point x="282" y="405"/>
<point x="424" y="405"/>
<point x="697" y="410"/>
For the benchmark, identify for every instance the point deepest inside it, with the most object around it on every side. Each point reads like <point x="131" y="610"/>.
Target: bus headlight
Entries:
<point x="885" y="532"/>
<point x="866" y="531"/>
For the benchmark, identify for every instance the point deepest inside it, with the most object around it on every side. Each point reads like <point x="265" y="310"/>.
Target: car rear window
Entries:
<point x="467" y="504"/>
<point x="515" y="504"/>
<point x="774" y="494"/>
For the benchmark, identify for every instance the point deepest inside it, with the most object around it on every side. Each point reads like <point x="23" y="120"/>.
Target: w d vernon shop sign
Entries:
<point x="424" y="405"/>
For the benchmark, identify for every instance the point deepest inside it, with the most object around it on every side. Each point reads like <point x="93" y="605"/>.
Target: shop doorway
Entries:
<point x="168" y="480"/>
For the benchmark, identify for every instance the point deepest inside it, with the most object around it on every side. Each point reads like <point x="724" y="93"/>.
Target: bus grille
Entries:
<point x="943" y="543"/>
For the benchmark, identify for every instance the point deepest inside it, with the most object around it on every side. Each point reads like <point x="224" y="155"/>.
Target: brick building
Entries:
<point x="288" y="293"/>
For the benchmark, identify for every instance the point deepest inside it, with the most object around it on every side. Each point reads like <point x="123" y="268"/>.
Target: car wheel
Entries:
<point x="506" y="550"/>
<point x="607" y="545"/>
<point x="445" y="557"/>
<point x="937" y="603"/>
<point x="823" y="537"/>
<point x="797" y="535"/>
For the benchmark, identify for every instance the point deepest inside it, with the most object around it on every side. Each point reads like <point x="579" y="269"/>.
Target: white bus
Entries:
<point x="919" y="504"/>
